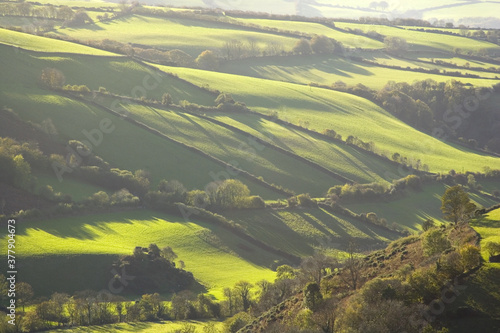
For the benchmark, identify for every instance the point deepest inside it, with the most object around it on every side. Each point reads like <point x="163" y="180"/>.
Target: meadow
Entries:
<point x="191" y="36"/>
<point x="328" y="70"/>
<point x="142" y="327"/>
<point x="305" y="231"/>
<point x="44" y="44"/>
<point x="327" y="109"/>
<point x="346" y="39"/>
<point x="236" y="148"/>
<point x="77" y="189"/>
<point x="421" y="41"/>
<point x="75" y="253"/>
<point x="488" y="226"/>
<point x="413" y="208"/>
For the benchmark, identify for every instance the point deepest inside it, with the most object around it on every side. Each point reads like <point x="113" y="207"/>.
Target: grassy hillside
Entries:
<point x="421" y="41"/>
<point x="37" y="43"/>
<point x="488" y="226"/>
<point x="90" y="243"/>
<point x="415" y="207"/>
<point x="304" y="231"/>
<point x="238" y="149"/>
<point x="343" y="159"/>
<point x="326" y="109"/>
<point x="347" y="39"/>
<point x="23" y="70"/>
<point x="141" y="327"/>
<point x="327" y="70"/>
<point x="77" y="189"/>
<point x="191" y="36"/>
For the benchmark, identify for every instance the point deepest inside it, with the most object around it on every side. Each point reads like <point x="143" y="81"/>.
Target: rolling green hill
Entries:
<point x="304" y="231"/>
<point x="415" y="207"/>
<point x="326" y="109"/>
<point x="37" y="43"/>
<point x="346" y="39"/>
<point x="89" y="244"/>
<point x="327" y="70"/>
<point x="189" y="35"/>
<point x="421" y="41"/>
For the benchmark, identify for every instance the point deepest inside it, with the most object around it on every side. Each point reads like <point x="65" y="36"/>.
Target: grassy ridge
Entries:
<point x="23" y="69"/>
<point x="216" y="257"/>
<point x="343" y="159"/>
<point x="22" y="93"/>
<point x="140" y="327"/>
<point x="302" y="231"/>
<point x="488" y="226"/>
<point x="327" y="70"/>
<point x="421" y="41"/>
<point x="347" y="114"/>
<point x="415" y="207"/>
<point x="161" y="158"/>
<point x="191" y="36"/>
<point x="319" y="29"/>
<point x="43" y="44"/>
<point x="235" y="148"/>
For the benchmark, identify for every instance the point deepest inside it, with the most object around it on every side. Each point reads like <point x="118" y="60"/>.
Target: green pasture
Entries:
<point x="347" y="39"/>
<point x="452" y="58"/>
<point x="343" y="159"/>
<point x="422" y="41"/>
<point x="77" y="189"/>
<point x="414" y="62"/>
<point x="126" y="146"/>
<point x="326" y="70"/>
<point x="414" y="207"/>
<point x="302" y="231"/>
<point x="191" y="36"/>
<point x="237" y="149"/>
<point x="118" y="75"/>
<point x="346" y="114"/>
<point x="44" y="44"/>
<point x="66" y="254"/>
<point x="142" y="327"/>
<point x="488" y="227"/>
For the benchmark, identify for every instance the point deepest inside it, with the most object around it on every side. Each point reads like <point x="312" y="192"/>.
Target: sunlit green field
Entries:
<point x="43" y="44"/>
<point x="414" y="207"/>
<point x="422" y="41"/>
<point x="188" y="35"/>
<point x="236" y="148"/>
<point x="319" y="29"/>
<point x="489" y="228"/>
<point x="303" y="231"/>
<point x="346" y="114"/>
<point x="141" y="327"/>
<point x="343" y="159"/>
<point x="118" y="75"/>
<point x="327" y="70"/>
<point x="216" y="257"/>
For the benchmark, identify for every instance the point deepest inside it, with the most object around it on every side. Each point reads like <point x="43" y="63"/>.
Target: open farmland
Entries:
<point x="189" y="35"/>
<point x="303" y="232"/>
<point x="421" y="41"/>
<point x="327" y="70"/>
<point x="326" y="109"/>
<point x="346" y="39"/>
<point x="216" y="257"/>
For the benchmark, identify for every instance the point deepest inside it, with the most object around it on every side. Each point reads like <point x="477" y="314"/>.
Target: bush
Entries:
<point x="253" y="202"/>
<point x="471" y="256"/>
<point x="434" y="241"/>
<point x="305" y="200"/>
